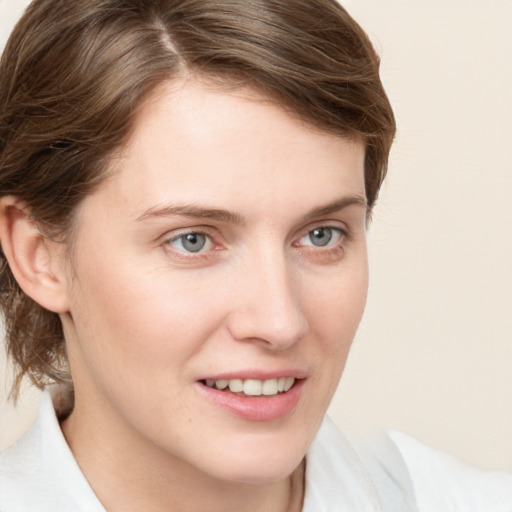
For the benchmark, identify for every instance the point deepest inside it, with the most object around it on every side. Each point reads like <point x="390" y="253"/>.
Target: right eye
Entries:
<point x="322" y="237"/>
<point x="191" y="242"/>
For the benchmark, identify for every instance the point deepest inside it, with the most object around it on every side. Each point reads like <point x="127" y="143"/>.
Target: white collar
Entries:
<point x="39" y="472"/>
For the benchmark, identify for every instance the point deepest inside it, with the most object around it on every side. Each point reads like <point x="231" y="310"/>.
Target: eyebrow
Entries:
<point x="192" y="210"/>
<point x="336" y="206"/>
<point x="221" y="215"/>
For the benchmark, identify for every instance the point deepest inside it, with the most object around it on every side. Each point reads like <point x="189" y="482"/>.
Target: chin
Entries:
<point x="263" y="474"/>
<point x="258" y="462"/>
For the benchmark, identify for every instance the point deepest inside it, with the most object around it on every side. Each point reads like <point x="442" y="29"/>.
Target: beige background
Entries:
<point x="433" y="356"/>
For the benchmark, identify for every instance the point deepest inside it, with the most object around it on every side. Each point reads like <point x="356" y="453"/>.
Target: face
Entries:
<point x="218" y="278"/>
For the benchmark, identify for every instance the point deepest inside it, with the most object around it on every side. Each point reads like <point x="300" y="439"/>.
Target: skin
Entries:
<point x="144" y="320"/>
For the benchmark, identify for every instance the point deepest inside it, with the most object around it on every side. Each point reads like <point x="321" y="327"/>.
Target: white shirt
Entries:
<point x="40" y="474"/>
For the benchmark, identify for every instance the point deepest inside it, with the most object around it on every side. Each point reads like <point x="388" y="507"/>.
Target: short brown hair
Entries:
<point x="74" y="73"/>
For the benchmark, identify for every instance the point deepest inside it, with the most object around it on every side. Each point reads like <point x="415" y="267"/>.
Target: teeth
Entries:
<point x="269" y="387"/>
<point x="253" y="387"/>
<point x="289" y="383"/>
<point x="236" y="385"/>
<point x="221" y="384"/>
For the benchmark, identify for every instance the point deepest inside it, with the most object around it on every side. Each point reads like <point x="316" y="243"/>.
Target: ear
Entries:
<point x="36" y="262"/>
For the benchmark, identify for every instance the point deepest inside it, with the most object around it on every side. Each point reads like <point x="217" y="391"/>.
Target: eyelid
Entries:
<point x="214" y="245"/>
<point x="334" y="225"/>
<point x="181" y="238"/>
<point x="175" y="235"/>
<point x="337" y="237"/>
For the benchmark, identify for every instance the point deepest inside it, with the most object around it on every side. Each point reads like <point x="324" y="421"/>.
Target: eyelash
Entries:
<point x="331" y="248"/>
<point x="186" y="255"/>
<point x="330" y="253"/>
<point x="341" y="234"/>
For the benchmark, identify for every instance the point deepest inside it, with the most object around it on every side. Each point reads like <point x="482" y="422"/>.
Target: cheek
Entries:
<point x="339" y="302"/>
<point x="134" y="338"/>
<point x="144" y="321"/>
<point x="335" y="312"/>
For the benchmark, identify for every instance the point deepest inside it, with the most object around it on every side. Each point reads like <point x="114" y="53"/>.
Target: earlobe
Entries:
<point x="35" y="261"/>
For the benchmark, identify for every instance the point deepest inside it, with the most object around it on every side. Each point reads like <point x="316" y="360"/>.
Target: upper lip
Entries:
<point x="256" y="374"/>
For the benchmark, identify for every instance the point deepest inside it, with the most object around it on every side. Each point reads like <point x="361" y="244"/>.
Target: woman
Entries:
<point x="185" y="190"/>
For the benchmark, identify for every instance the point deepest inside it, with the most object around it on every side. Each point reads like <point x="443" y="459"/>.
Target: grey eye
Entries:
<point x="191" y="242"/>
<point x="320" y="237"/>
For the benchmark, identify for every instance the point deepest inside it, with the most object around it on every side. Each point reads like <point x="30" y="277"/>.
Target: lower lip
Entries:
<point x="256" y="408"/>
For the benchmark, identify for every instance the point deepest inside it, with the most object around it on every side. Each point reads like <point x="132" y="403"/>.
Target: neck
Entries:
<point x="150" y="479"/>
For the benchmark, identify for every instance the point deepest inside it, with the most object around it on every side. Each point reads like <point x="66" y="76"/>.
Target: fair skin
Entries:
<point x="228" y="244"/>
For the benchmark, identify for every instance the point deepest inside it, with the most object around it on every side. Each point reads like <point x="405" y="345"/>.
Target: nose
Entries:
<point x="267" y="306"/>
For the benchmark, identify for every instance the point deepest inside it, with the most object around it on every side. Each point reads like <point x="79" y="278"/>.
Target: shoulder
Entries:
<point x="343" y="475"/>
<point x="391" y="471"/>
<point x="19" y="469"/>
<point x="39" y="473"/>
<point x="443" y="482"/>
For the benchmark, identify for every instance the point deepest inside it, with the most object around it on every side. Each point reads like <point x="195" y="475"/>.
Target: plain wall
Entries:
<point x="433" y="356"/>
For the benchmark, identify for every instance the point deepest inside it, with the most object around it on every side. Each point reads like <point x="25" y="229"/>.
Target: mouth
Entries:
<point x="253" y="395"/>
<point x="252" y="387"/>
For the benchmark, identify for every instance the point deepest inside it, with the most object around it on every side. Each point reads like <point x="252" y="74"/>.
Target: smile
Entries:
<point x="254" y="399"/>
<point x="252" y="387"/>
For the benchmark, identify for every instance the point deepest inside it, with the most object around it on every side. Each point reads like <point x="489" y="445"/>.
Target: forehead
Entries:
<point x="201" y="144"/>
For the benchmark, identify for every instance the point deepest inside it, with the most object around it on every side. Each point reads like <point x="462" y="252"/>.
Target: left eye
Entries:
<point x="191" y="242"/>
<point x="322" y="237"/>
